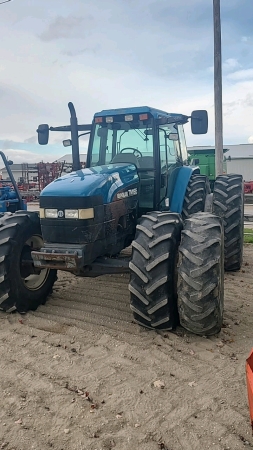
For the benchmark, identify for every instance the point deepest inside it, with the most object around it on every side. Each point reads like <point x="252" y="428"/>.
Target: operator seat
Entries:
<point x="126" y="158"/>
<point x="146" y="162"/>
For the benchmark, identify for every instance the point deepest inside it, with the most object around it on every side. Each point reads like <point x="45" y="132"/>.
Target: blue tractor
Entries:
<point x="137" y="190"/>
<point x="10" y="198"/>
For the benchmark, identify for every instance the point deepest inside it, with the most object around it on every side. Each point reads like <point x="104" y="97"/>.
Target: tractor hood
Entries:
<point x="103" y="181"/>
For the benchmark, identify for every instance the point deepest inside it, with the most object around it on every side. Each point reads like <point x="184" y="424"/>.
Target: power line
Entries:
<point x="6" y="1"/>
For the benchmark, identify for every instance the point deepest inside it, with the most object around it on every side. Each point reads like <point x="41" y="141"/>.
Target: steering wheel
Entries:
<point x="134" y="150"/>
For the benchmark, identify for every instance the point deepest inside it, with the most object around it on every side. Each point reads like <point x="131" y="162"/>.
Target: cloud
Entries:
<point x="31" y="140"/>
<point x="248" y="100"/>
<point x="78" y="52"/>
<point x="68" y="27"/>
<point x="228" y="65"/>
<point x="6" y="144"/>
<point x="245" y="102"/>
<point x="24" y="156"/>
<point x="231" y="64"/>
<point x="113" y="54"/>
<point x="229" y="107"/>
<point x="241" y="75"/>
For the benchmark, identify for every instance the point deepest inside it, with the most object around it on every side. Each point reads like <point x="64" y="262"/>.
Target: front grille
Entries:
<point x="68" y="231"/>
<point x="72" y="231"/>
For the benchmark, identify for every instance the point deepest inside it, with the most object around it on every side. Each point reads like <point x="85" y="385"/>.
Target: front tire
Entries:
<point x="201" y="274"/>
<point x="152" y="270"/>
<point x="22" y="286"/>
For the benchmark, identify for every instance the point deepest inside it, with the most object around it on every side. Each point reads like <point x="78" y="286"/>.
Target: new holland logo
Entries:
<point x="128" y="193"/>
<point x="60" y="214"/>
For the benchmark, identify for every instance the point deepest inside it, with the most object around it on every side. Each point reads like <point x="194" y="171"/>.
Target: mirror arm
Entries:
<point x="68" y="128"/>
<point x="63" y="128"/>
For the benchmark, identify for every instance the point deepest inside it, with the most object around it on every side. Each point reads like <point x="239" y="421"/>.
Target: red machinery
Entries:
<point x="249" y="379"/>
<point x="47" y="172"/>
<point x="248" y="187"/>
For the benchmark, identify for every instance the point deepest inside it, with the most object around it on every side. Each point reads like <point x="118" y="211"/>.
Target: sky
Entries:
<point x="119" y="53"/>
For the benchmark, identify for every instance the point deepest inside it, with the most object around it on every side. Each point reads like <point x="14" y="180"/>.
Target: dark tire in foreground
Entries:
<point x="152" y="270"/>
<point x="195" y="195"/>
<point x="201" y="274"/>
<point x="228" y="203"/>
<point x="22" y="286"/>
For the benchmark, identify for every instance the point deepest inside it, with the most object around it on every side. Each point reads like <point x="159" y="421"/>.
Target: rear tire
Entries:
<point x="195" y="196"/>
<point x="228" y="203"/>
<point x="22" y="287"/>
<point x="201" y="274"/>
<point x="152" y="270"/>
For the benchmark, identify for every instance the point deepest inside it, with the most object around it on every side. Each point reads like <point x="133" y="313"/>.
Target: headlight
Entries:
<point x="87" y="213"/>
<point x="71" y="213"/>
<point x="51" y="213"/>
<point x="82" y="214"/>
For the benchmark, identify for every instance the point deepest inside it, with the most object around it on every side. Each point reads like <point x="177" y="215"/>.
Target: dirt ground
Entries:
<point x="78" y="374"/>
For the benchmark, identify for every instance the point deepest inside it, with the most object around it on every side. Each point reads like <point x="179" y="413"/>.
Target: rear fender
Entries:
<point x="181" y="183"/>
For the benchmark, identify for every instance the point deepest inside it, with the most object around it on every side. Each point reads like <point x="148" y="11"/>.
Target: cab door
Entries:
<point x="169" y="153"/>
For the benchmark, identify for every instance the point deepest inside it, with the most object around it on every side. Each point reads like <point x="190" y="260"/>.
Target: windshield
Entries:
<point x="133" y="143"/>
<point x="118" y="141"/>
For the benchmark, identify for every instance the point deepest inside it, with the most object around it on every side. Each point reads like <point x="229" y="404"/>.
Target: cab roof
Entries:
<point x="156" y="113"/>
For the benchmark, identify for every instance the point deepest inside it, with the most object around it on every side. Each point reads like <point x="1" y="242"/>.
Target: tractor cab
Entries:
<point x="151" y="139"/>
<point x="147" y="139"/>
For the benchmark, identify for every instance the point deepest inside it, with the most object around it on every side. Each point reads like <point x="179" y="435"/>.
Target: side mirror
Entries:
<point x="43" y="134"/>
<point x="199" y="122"/>
<point x="173" y="136"/>
<point x="10" y="162"/>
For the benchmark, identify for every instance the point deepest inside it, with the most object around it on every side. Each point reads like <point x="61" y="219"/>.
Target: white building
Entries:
<point x="21" y="172"/>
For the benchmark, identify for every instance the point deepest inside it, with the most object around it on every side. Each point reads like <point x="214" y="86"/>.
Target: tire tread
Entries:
<point x="228" y="203"/>
<point x="154" y="252"/>
<point x="201" y="274"/>
<point x="12" y="226"/>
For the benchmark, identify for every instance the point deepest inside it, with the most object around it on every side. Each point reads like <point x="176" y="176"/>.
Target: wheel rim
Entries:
<point x="32" y="281"/>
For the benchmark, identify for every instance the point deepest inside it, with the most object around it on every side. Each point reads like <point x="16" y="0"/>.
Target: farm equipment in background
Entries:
<point x="205" y="159"/>
<point x="10" y="197"/>
<point x="248" y="187"/>
<point x="137" y="189"/>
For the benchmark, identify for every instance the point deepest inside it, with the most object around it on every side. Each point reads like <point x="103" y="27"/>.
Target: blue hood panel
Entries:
<point x="104" y="181"/>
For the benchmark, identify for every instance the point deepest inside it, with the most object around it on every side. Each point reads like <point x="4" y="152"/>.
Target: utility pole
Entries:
<point x="218" y="89"/>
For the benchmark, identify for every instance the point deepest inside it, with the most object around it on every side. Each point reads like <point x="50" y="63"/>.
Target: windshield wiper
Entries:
<point x="141" y="134"/>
